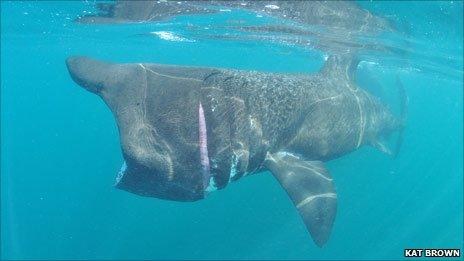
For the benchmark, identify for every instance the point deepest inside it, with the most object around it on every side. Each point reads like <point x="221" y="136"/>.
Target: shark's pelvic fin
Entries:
<point x="382" y="147"/>
<point x="310" y="187"/>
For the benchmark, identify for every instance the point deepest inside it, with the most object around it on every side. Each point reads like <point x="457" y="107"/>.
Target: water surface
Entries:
<point x="60" y="151"/>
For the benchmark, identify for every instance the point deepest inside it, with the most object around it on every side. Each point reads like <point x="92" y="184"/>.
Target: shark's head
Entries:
<point x="157" y="113"/>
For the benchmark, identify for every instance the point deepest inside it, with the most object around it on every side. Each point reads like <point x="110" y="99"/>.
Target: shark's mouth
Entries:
<point x="208" y="181"/>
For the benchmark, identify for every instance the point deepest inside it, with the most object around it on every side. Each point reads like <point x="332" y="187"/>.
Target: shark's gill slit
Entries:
<point x="203" y="141"/>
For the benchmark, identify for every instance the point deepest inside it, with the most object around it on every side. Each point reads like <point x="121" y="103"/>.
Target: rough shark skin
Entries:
<point x="255" y="121"/>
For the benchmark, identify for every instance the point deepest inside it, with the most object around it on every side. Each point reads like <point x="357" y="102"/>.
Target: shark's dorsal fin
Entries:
<point x="341" y="66"/>
<point x="310" y="187"/>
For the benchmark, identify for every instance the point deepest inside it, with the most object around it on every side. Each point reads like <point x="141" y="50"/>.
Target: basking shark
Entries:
<point x="186" y="131"/>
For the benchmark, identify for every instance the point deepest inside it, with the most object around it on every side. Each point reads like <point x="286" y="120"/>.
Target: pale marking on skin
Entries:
<point x="212" y="185"/>
<point x="252" y="122"/>
<point x="361" y="117"/>
<point x="223" y="149"/>
<point x="150" y="138"/>
<point x="285" y="153"/>
<point x="141" y="126"/>
<point x="269" y="157"/>
<point x="317" y="101"/>
<point x="238" y="99"/>
<point x="290" y="174"/>
<point x="212" y="88"/>
<point x="362" y="122"/>
<point x="121" y="172"/>
<point x="238" y="154"/>
<point x="233" y="167"/>
<point x="316" y="172"/>
<point x="247" y="153"/>
<point x="170" y="76"/>
<point x="313" y="197"/>
<point x="213" y="101"/>
<point x="324" y="99"/>
<point x="152" y="15"/>
<point x="313" y="169"/>
<point x="170" y="169"/>
<point x="167" y="159"/>
<point x="203" y="140"/>
<point x="144" y="99"/>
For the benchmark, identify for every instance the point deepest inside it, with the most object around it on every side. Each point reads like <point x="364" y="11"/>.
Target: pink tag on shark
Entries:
<point x="203" y="137"/>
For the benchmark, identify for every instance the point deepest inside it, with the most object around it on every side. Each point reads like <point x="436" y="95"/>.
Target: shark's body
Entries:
<point x="170" y="117"/>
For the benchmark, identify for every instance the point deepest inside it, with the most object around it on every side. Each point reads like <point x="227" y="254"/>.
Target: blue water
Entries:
<point x="60" y="150"/>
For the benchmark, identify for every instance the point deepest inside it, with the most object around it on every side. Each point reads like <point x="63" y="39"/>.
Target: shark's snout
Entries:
<point x="87" y="72"/>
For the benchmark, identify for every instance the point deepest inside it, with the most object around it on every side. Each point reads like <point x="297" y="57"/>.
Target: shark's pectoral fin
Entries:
<point x="310" y="187"/>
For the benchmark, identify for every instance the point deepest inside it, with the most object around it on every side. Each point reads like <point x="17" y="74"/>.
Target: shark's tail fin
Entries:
<point x="403" y="114"/>
<point x="341" y="66"/>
